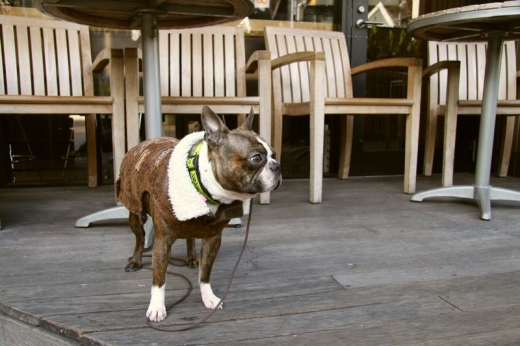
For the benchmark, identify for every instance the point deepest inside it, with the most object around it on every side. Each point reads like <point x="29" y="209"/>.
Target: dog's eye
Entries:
<point x="256" y="158"/>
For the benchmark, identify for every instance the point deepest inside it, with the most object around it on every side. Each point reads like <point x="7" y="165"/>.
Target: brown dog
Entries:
<point x="191" y="189"/>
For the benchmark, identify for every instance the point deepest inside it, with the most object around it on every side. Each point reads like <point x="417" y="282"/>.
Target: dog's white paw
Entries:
<point x="156" y="310"/>
<point x="156" y="313"/>
<point x="208" y="298"/>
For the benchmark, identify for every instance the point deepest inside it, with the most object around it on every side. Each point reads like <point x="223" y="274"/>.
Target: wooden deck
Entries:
<point x="366" y="267"/>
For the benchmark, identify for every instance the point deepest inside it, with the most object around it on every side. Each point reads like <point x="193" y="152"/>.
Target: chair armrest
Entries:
<point x="449" y="65"/>
<point x="256" y="58"/>
<point x="391" y="62"/>
<point x="103" y="58"/>
<point x="296" y="57"/>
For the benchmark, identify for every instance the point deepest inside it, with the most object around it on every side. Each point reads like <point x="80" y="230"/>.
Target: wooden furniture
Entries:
<point x="47" y="69"/>
<point x="203" y="67"/>
<point x="312" y="76"/>
<point x="150" y="17"/>
<point x="466" y="98"/>
<point x="494" y="23"/>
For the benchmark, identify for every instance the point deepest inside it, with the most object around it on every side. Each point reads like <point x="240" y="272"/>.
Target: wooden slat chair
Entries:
<point x="47" y="69"/>
<point x="312" y="76"/>
<point x="203" y="67"/>
<point x="456" y="83"/>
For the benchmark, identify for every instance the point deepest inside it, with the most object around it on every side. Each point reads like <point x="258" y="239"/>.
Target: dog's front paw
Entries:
<point x="156" y="310"/>
<point x="156" y="313"/>
<point x="208" y="298"/>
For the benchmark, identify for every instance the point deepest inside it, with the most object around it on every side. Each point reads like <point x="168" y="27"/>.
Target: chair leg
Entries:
<point x="429" y="149"/>
<point x="90" y="124"/>
<point x="346" y="146"/>
<point x="317" y="128"/>
<point x="412" y="129"/>
<point x="411" y="150"/>
<point x="450" y="130"/>
<point x="450" y="127"/>
<point x="507" y="145"/>
<point x="277" y="134"/>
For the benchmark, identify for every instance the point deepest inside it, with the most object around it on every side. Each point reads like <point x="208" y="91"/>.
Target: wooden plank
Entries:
<point x="186" y="65"/>
<point x="240" y="58"/>
<point x="75" y="61"/>
<point x="88" y="83"/>
<point x="10" y="58"/>
<point x="230" y="64"/>
<point x="509" y="60"/>
<point x="37" y="61"/>
<point x="290" y="324"/>
<point x="481" y="69"/>
<point x="337" y="272"/>
<point x="475" y="329"/>
<point x="197" y="64"/>
<point x="2" y="73"/>
<point x="49" y="56"/>
<point x="24" y="64"/>
<point x="62" y="62"/>
<point x="164" y="65"/>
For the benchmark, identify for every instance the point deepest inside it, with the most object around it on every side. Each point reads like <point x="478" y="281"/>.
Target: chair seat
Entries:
<point x="354" y="106"/>
<point x="15" y="104"/>
<point x="474" y="107"/>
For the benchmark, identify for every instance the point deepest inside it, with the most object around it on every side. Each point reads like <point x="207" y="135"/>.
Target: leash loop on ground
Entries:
<point x="182" y="327"/>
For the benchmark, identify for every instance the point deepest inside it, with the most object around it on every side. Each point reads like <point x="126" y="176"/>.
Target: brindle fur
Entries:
<point x="208" y="228"/>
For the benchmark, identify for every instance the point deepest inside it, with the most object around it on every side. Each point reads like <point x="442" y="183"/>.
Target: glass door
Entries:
<point x="376" y="30"/>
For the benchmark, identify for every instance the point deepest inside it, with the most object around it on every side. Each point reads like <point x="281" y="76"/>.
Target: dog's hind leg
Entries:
<point x="208" y="254"/>
<point x="135" y="261"/>
<point x="161" y="255"/>
<point x="191" y="258"/>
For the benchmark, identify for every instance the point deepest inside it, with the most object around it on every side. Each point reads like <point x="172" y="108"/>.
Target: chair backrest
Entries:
<point x="44" y="57"/>
<point x="203" y="62"/>
<point x="472" y="57"/>
<point x="293" y="81"/>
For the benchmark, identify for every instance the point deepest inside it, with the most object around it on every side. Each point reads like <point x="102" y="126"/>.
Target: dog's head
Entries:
<point x="241" y="161"/>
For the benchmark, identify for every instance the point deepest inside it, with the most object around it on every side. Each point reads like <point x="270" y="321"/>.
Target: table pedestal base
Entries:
<point x="121" y="212"/>
<point x="116" y="213"/>
<point x="483" y="195"/>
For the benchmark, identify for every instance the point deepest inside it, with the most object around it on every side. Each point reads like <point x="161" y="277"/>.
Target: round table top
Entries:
<point x="125" y="14"/>
<point x="469" y="23"/>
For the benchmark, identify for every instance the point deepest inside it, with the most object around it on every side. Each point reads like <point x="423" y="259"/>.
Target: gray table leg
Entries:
<point x="151" y="74"/>
<point x="482" y="192"/>
<point x="152" y="102"/>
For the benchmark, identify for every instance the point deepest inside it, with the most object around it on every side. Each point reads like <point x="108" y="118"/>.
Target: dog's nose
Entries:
<point x="274" y="166"/>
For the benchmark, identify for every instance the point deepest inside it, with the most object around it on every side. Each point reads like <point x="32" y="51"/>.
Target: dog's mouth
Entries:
<point x="278" y="183"/>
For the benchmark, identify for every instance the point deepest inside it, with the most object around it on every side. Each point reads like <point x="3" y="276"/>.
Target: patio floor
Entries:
<point x="365" y="267"/>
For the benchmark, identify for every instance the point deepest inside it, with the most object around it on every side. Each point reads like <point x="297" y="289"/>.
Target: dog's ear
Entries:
<point x="247" y="125"/>
<point x="215" y="130"/>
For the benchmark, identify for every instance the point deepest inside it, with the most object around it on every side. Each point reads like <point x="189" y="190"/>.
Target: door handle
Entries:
<point x="363" y="24"/>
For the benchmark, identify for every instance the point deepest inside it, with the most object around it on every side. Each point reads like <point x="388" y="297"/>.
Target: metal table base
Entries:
<point x="481" y="191"/>
<point x="483" y="195"/>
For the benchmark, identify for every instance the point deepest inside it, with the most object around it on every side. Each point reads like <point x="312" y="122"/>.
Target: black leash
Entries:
<point x="182" y="327"/>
